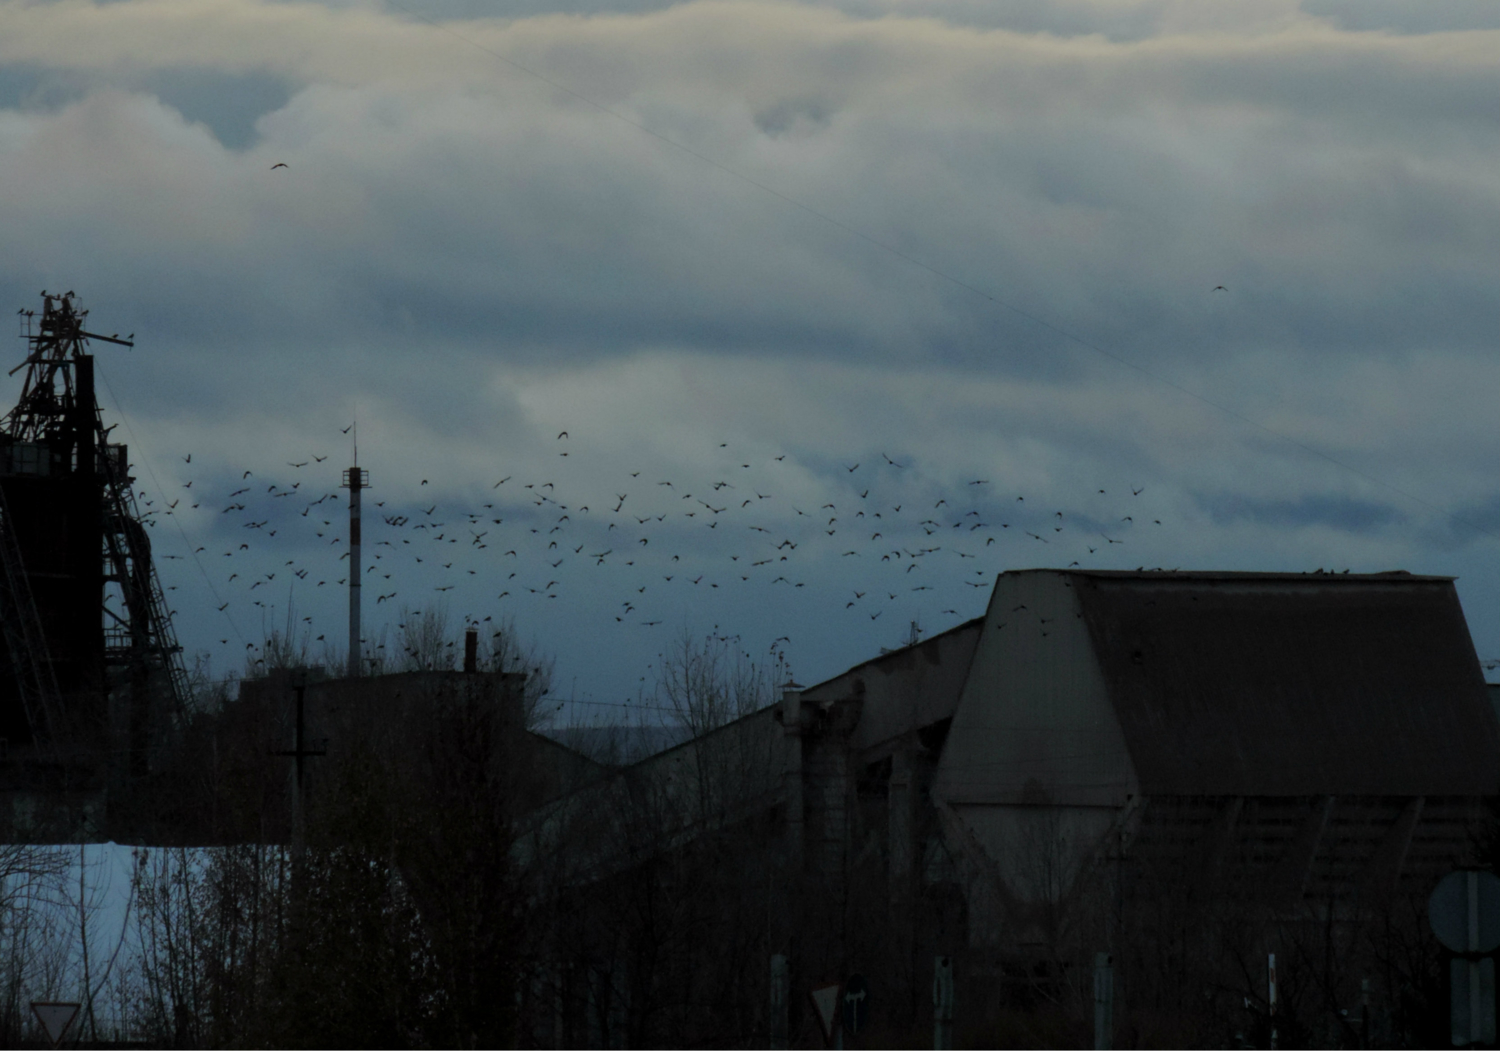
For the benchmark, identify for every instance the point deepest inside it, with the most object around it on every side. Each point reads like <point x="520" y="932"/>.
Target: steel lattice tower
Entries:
<point x="87" y="634"/>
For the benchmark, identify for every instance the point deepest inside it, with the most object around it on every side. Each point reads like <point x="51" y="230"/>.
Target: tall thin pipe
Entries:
<point x="355" y="479"/>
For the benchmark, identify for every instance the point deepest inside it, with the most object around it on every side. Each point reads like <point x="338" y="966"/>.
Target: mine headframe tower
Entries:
<point x="95" y="669"/>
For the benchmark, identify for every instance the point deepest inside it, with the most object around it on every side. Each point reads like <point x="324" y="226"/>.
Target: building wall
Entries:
<point x="906" y="690"/>
<point x="1034" y="723"/>
<point x="56" y="519"/>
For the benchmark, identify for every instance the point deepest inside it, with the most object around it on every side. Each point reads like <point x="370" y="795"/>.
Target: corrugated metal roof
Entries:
<point x="1293" y="684"/>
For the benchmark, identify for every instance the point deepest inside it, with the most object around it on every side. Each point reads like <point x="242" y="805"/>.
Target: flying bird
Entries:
<point x="278" y="164"/>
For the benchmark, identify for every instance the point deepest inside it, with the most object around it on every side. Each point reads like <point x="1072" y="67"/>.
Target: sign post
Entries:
<point x="942" y="1002"/>
<point x="780" y="983"/>
<point x="856" y="1004"/>
<point x="1104" y="1001"/>
<point x="1464" y="911"/>
<point x="1271" y="999"/>
<point x="825" y="1000"/>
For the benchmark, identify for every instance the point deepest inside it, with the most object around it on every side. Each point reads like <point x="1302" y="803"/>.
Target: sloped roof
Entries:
<point x="1293" y="684"/>
<point x="891" y="661"/>
<point x="907" y="688"/>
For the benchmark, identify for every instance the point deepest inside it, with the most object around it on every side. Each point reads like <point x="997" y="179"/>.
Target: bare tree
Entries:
<point x="425" y="640"/>
<point x="710" y="681"/>
<point x="504" y="651"/>
<point x="33" y="933"/>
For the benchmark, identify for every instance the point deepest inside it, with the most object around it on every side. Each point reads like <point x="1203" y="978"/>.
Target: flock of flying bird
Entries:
<point x="871" y="542"/>
<point x="884" y="537"/>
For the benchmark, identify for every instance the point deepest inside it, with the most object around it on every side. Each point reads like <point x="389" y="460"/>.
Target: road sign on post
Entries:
<point x="1464" y="911"/>
<point x="856" y="1004"/>
<point x="55" y="1018"/>
<point x="825" y="1000"/>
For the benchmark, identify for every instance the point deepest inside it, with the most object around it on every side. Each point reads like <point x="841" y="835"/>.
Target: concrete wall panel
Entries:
<point x="1034" y="723"/>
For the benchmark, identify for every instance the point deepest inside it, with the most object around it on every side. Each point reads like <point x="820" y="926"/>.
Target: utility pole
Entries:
<point x="298" y="753"/>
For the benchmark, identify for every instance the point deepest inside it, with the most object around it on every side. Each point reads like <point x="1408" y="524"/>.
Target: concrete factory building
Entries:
<point x="1225" y="762"/>
<point x="1308" y="735"/>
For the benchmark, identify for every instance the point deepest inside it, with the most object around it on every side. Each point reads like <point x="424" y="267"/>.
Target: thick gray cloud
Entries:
<point x="1343" y="513"/>
<point x="834" y="233"/>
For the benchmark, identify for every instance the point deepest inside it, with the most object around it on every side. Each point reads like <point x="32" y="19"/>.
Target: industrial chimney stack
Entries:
<point x="355" y="479"/>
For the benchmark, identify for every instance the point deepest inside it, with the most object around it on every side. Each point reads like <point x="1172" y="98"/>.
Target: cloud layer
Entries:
<point x="979" y="240"/>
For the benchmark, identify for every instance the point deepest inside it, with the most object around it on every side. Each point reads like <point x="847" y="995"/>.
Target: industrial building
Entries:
<point x="1183" y="769"/>
<point x="96" y="684"/>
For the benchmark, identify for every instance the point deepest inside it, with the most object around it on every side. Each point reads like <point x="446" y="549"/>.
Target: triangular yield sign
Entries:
<point x="55" y="1018"/>
<point x="825" y="1000"/>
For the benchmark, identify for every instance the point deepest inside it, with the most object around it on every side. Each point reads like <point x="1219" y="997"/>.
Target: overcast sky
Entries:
<point x="947" y="242"/>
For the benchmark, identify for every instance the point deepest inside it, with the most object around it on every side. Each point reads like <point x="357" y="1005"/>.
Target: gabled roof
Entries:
<point x="1293" y="684"/>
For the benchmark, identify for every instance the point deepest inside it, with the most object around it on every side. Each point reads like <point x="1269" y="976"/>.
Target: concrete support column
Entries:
<point x="791" y="722"/>
<point x="900" y="834"/>
<point x="832" y="770"/>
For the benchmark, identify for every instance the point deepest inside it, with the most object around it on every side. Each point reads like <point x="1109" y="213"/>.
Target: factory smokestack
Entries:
<point x="355" y="479"/>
